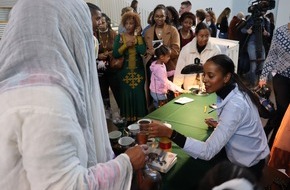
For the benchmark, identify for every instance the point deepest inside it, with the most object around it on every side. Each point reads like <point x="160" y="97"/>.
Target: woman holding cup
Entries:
<point x="239" y="128"/>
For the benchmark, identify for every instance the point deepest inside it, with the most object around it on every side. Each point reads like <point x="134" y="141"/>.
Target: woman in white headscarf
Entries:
<point x="53" y="132"/>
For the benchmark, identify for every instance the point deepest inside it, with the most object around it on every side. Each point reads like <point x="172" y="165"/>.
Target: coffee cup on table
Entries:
<point x="144" y="124"/>
<point x="126" y="142"/>
<point x="142" y="135"/>
<point x="115" y="136"/>
<point x="134" y="129"/>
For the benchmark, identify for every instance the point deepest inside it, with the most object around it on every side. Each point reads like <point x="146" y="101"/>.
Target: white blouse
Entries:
<point x="239" y="130"/>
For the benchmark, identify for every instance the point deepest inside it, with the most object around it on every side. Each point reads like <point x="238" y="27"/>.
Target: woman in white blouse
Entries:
<point x="238" y="128"/>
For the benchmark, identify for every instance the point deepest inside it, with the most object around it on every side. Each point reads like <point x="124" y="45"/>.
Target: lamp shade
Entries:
<point x="192" y="69"/>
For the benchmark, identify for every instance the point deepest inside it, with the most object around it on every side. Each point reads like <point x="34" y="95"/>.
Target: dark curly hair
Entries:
<point x="188" y="15"/>
<point x="131" y="15"/>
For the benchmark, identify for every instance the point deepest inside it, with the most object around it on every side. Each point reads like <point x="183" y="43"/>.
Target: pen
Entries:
<point x="211" y="111"/>
<point x="204" y="110"/>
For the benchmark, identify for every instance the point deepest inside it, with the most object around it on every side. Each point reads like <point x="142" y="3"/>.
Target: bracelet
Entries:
<point x="173" y="135"/>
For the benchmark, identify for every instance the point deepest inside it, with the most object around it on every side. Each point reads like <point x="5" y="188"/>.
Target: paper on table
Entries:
<point x="183" y="100"/>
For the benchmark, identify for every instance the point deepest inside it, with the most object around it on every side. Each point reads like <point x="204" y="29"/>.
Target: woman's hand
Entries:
<point x="157" y="129"/>
<point x="211" y="122"/>
<point x="150" y="52"/>
<point x="130" y="42"/>
<point x="138" y="30"/>
<point x="250" y="30"/>
<point x="137" y="155"/>
<point x="103" y="56"/>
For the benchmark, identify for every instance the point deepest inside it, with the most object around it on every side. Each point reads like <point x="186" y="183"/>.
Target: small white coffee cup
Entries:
<point x="134" y="128"/>
<point x="126" y="142"/>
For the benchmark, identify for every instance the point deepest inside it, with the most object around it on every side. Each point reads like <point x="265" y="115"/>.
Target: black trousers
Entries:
<point x="256" y="170"/>
<point x="109" y="79"/>
<point x="281" y="86"/>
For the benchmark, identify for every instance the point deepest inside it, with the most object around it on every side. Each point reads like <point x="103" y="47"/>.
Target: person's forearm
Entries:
<point x="116" y="173"/>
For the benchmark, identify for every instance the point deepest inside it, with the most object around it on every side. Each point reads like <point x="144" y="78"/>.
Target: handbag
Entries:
<point x="266" y="108"/>
<point x="116" y="63"/>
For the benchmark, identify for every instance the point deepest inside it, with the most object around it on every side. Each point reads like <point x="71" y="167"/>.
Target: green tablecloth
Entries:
<point x="187" y="119"/>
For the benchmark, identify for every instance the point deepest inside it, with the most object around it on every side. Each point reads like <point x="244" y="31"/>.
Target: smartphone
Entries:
<point x="213" y="106"/>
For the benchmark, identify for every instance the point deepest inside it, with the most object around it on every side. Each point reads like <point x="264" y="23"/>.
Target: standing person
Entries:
<point x="222" y="23"/>
<point x="159" y="77"/>
<point x="278" y="64"/>
<point x="131" y="46"/>
<point x="200" y="15"/>
<point x="238" y="128"/>
<point x="149" y="21"/>
<point x="134" y="5"/>
<point x="96" y="21"/>
<point x="121" y="28"/>
<point x="173" y="16"/>
<point x="186" y="33"/>
<point x="162" y="30"/>
<point x="210" y="20"/>
<point x="256" y="55"/>
<point x="52" y="121"/>
<point x="199" y="49"/>
<point x="185" y="6"/>
<point x="234" y="33"/>
<point x="234" y="30"/>
<point x="267" y="41"/>
<point x="107" y="76"/>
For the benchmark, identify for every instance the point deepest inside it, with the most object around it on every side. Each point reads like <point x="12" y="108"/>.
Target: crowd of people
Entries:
<point x="174" y="39"/>
<point x="55" y="134"/>
<point x="179" y="28"/>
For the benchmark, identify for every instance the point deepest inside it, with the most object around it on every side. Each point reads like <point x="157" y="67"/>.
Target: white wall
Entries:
<point x="283" y="13"/>
<point x="216" y="5"/>
<point x="281" y="10"/>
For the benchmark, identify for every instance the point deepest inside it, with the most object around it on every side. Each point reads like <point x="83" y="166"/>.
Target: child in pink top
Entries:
<point x="159" y="82"/>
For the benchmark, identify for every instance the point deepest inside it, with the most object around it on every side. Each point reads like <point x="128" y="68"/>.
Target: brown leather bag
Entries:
<point x="116" y="63"/>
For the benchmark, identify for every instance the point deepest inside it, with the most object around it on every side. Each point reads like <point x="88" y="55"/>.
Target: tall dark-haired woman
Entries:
<point x="222" y="23"/>
<point x="238" y="128"/>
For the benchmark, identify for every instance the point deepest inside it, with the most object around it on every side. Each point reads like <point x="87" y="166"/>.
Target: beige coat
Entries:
<point x="170" y="38"/>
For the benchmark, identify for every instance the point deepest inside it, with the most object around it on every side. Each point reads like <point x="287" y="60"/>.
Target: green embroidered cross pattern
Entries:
<point x="133" y="79"/>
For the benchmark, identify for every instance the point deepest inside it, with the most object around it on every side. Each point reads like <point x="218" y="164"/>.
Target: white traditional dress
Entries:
<point x="53" y="132"/>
